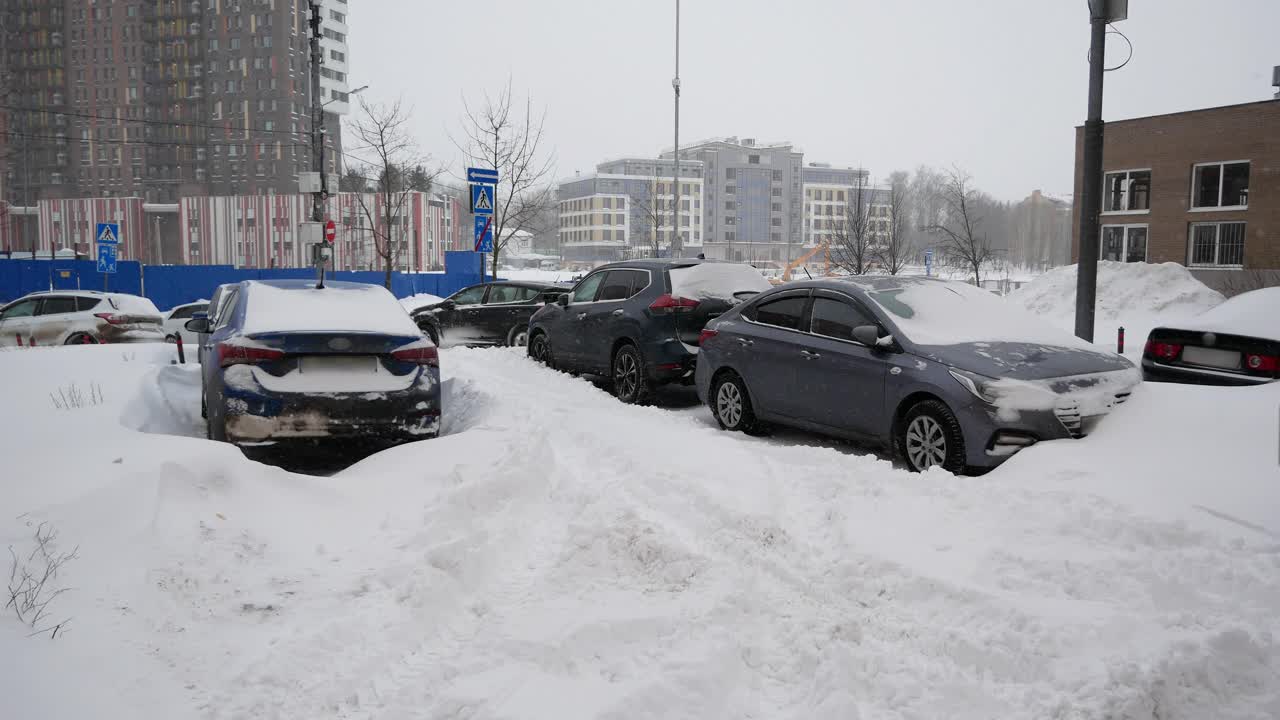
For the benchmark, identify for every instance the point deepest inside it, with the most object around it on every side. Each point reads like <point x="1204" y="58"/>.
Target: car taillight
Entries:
<point x="1262" y="363"/>
<point x="668" y="303"/>
<point x="1164" y="351"/>
<point x="111" y="318"/>
<point x="418" y="354"/>
<point x="230" y="353"/>
<point x="706" y="335"/>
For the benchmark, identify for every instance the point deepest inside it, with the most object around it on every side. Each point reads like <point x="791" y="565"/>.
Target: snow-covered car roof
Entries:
<point x="1252" y="314"/>
<point x="299" y="306"/>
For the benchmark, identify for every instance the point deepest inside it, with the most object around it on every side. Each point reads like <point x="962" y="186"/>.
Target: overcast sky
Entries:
<point x="994" y="86"/>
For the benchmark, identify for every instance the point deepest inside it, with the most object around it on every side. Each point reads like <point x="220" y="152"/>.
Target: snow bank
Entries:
<point x="720" y="281"/>
<point x="540" y="562"/>
<point x="1135" y="296"/>
<point x="339" y="307"/>
<point x="419" y="301"/>
<point x="1252" y="314"/>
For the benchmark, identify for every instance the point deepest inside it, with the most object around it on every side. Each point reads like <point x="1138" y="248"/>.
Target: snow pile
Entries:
<point x="1252" y="314"/>
<point x="720" y="281"/>
<point x="1136" y="296"/>
<point x="419" y="301"/>
<point x="134" y="305"/>
<point x="541" y="561"/>
<point x="338" y="307"/>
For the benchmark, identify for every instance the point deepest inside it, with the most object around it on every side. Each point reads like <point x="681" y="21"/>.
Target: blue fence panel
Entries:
<point x="170" y="285"/>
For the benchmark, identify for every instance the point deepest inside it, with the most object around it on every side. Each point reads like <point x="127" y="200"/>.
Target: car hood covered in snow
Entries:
<point x="1023" y="361"/>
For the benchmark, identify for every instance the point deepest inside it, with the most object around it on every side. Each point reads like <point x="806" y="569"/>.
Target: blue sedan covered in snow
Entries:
<point x="287" y="362"/>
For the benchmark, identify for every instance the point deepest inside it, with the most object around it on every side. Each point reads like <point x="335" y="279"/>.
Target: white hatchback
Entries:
<point x="175" y="322"/>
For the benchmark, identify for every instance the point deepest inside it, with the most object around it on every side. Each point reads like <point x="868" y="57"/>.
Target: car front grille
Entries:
<point x="1068" y="413"/>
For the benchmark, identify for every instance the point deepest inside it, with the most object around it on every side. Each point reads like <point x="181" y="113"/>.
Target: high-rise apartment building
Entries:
<point x="163" y="98"/>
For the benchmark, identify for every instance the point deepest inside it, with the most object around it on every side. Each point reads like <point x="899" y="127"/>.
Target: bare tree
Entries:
<point x="959" y="238"/>
<point x="508" y="138"/>
<point x="852" y="236"/>
<point x="898" y="248"/>
<point x="388" y="152"/>
<point x="654" y="212"/>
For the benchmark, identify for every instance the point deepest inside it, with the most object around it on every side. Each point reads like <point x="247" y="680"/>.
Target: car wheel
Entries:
<point x="630" y="382"/>
<point x="519" y="336"/>
<point x="540" y="349"/>
<point x="731" y="405"/>
<point x="930" y="436"/>
<point x="81" y="339"/>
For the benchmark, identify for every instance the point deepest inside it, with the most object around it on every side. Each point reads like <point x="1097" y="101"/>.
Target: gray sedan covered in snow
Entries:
<point x="943" y="373"/>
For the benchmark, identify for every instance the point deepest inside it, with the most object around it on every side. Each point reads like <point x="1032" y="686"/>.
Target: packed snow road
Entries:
<point x="558" y="555"/>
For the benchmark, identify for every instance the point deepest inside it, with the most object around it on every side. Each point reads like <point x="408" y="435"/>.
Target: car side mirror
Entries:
<point x="562" y="300"/>
<point x="199" y="323"/>
<point x="867" y="335"/>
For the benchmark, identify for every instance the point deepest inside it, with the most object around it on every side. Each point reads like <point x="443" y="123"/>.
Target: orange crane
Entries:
<point x="823" y="248"/>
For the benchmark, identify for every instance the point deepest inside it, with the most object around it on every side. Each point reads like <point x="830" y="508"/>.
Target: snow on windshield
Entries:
<point x="1253" y="314"/>
<point x="362" y="308"/>
<point x="719" y="281"/>
<point x="951" y="313"/>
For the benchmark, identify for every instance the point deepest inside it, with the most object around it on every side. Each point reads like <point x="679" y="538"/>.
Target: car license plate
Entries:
<point x="357" y="364"/>
<point x="1211" y="357"/>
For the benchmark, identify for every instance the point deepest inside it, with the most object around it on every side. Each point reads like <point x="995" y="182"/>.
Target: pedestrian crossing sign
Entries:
<point x="482" y="199"/>
<point x="108" y="233"/>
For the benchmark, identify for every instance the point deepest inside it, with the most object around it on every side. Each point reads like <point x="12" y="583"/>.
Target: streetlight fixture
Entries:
<point x="357" y="91"/>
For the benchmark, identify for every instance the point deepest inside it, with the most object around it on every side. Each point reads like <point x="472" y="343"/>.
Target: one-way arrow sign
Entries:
<point x="482" y="175"/>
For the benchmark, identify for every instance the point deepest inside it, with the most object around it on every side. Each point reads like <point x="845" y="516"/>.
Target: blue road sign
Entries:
<point x="107" y="258"/>
<point x="482" y="199"/>
<point x="482" y="175"/>
<point x="484" y="233"/>
<point x="108" y="233"/>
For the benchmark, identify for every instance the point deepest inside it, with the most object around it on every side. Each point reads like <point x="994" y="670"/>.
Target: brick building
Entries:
<point x="159" y="99"/>
<point x="1200" y="188"/>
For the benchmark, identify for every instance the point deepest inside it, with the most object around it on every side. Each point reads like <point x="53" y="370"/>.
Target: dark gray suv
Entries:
<point x="943" y="373"/>
<point x="638" y="322"/>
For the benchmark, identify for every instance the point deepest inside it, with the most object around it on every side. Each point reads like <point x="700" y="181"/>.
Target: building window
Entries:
<point x="1220" y="185"/>
<point x="1216" y="245"/>
<point x="753" y="159"/>
<point x="730" y="189"/>
<point x="729" y="235"/>
<point x="776" y="192"/>
<point x="777" y="176"/>
<point x="1126" y="191"/>
<point x="1124" y="243"/>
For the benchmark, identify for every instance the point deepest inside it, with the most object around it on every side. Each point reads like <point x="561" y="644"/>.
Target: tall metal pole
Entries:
<point x="677" y="244"/>
<point x="317" y="129"/>
<point x="1091" y="193"/>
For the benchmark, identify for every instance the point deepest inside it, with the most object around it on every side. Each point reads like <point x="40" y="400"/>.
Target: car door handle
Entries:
<point x="581" y="315"/>
<point x="744" y="342"/>
<point x="810" y="355"/>
<point x="619" y="311"/>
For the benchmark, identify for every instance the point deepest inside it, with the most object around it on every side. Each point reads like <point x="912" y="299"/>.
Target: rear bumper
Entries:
<point x="670" y="360"/>
<point x="254" y="416"/>
<point x="1159" y="372"/>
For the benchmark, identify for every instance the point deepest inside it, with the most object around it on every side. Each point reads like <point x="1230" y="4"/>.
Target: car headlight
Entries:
<point x="978" y="385"/>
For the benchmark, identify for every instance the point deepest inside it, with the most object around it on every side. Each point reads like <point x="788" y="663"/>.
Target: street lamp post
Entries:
<point x="677" y="244"/>
<point x="1101" y="12"/>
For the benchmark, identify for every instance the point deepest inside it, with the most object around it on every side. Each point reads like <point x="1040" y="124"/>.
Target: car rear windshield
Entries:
<point x="721" y="281"/>
<point x="952" y="313"/>
<point x="133" y="305"/>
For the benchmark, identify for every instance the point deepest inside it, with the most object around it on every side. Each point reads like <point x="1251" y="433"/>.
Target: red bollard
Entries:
<point x="182" y="358"/>
<point x="33" y="341"/>
<point x="19" y="336"/>
<point x="1120" y="340"/>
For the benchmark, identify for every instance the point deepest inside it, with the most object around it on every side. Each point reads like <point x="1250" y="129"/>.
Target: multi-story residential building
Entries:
<point x="831" y="196"/>
<point x="625" y="210"/>
<point x="1200" y="188"/>
<point x="263" y="230"/>
<point x="163" y="98"/>
<point x="1040" y="236"/>
<point x="753" y="198"/>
